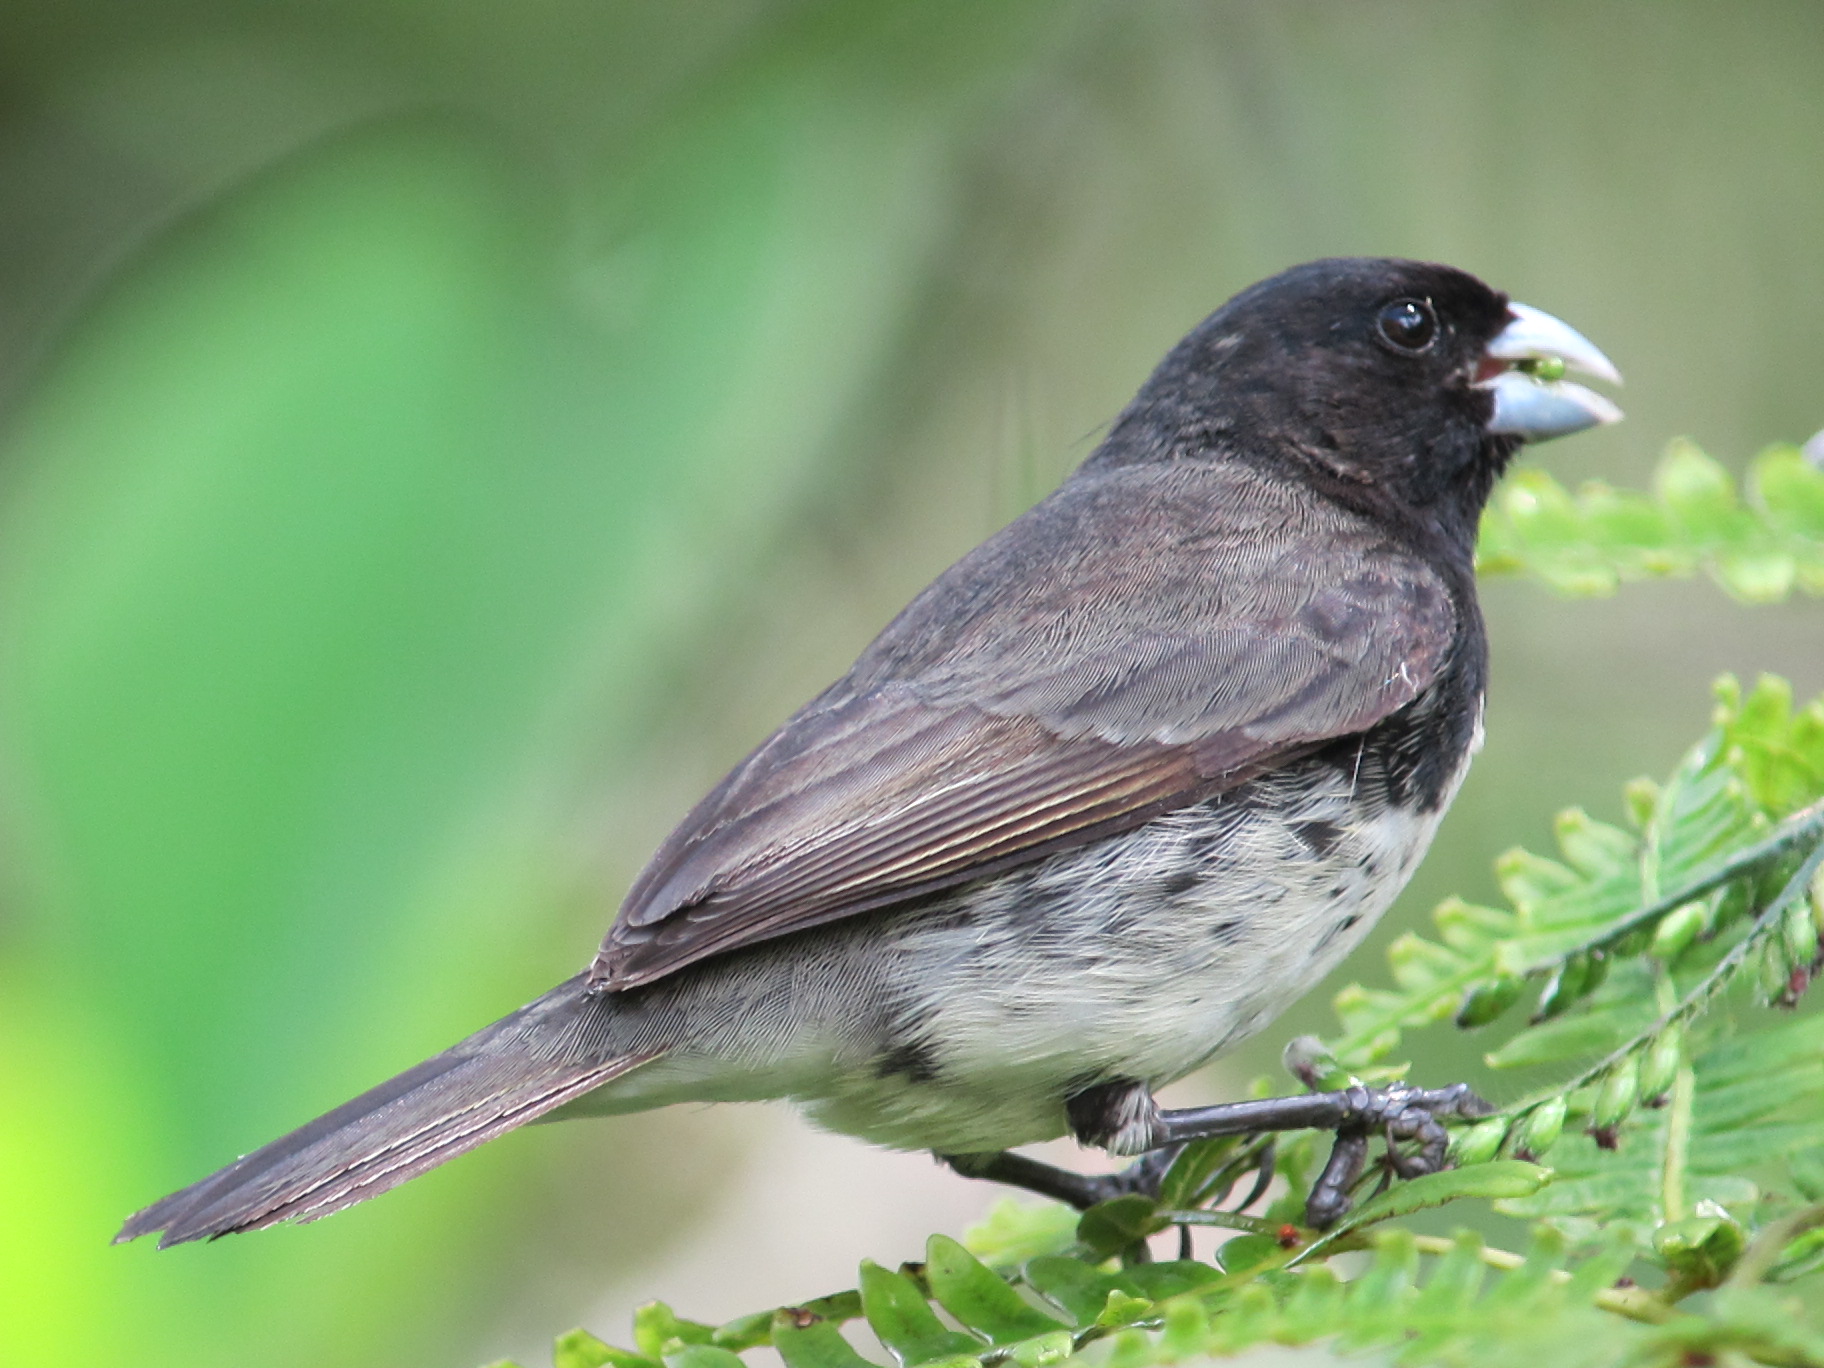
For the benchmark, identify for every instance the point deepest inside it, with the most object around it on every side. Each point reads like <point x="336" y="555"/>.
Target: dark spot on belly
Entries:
<point x="1182" y="882"/>
<point x="1228" y="930"/>
<point x="912" y="1061"/>
<point x="1320" y="836"/>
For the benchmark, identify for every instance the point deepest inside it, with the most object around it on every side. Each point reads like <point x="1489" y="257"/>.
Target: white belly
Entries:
<point x="1105" y="964"/>
<point x="963" y="1026"/>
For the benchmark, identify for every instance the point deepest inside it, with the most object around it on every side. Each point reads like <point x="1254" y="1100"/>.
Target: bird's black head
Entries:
<point x="1376" y="378"/>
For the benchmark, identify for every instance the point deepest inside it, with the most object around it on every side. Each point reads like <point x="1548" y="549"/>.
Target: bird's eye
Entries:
<point x="1408" y="324"/>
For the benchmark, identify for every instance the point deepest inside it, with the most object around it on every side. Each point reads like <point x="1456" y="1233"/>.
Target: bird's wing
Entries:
<point x="1138" y="642"/>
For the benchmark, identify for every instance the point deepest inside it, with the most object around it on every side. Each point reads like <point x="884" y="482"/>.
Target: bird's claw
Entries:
<point x="1402" y="1114"/>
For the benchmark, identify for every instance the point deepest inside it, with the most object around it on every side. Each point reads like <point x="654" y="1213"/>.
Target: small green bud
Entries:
<point x="1576" y="978"/>
<point x="1479" y="1143"/>
<point x="1309" y="1060"/>
<point x="1775" y="973"/>
<point x="1660" y="1067"/>
<point x="1552" y="998"/>
<point x="1734" y="901"/>
<point x="1486" y="1000"/>
<point x="1544" y="1124"/>
<point x="1678" y="929"/>
<point x="1799" y="933"/>
<point x="1617" y="1094"/>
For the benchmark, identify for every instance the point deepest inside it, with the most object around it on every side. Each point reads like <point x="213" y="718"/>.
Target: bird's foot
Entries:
<point x="1406" y="1116"/>
<point x="1411" y="1119"/>
<point x="1123" y="1119"/>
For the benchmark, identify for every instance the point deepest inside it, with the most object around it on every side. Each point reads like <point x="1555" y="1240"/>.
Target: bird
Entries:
<point x="1103" y="800"/>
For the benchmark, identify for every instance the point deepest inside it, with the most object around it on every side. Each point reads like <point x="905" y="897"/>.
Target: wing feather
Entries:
<point x="1138" y="642"/>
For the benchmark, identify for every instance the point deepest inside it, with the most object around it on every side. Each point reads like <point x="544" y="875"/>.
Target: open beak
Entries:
<point x="1522" y="366"/>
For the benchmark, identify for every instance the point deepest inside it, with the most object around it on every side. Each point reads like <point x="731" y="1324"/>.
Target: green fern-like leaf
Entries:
<point x="1681" y="1143"/>
<point x="1582" y="925"/>
<point x="1419" y="1298"/>
<point x="1652" y="949"/>
<point x="1759" y="547"/>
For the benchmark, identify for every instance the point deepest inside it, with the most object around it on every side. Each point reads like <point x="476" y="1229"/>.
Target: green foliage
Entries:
<point x="1418" y="1298"/>
<point x="1759" y="547"/>
<point x="1668" y="1159"/>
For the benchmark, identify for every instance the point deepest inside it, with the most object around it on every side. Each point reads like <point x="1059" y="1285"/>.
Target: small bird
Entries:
<point x="1107" y="796"/>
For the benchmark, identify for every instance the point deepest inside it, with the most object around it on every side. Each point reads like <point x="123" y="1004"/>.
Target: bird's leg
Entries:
<point x="1080" y="1190"/>
<point x="1123" y="1117"/>
<point x="1106" y="1106"/>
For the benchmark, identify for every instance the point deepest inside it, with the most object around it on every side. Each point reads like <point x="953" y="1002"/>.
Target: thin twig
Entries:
<point x="1676" y="1154"/>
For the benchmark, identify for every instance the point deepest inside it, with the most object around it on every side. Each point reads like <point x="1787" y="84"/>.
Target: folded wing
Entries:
<point x="1142" y="640"/>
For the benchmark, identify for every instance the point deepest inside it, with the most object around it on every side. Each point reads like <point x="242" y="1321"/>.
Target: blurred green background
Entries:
<point x="440" y="438"/>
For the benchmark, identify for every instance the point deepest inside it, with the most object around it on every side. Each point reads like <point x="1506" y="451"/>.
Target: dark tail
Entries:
<point x="543" y="1055"/>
